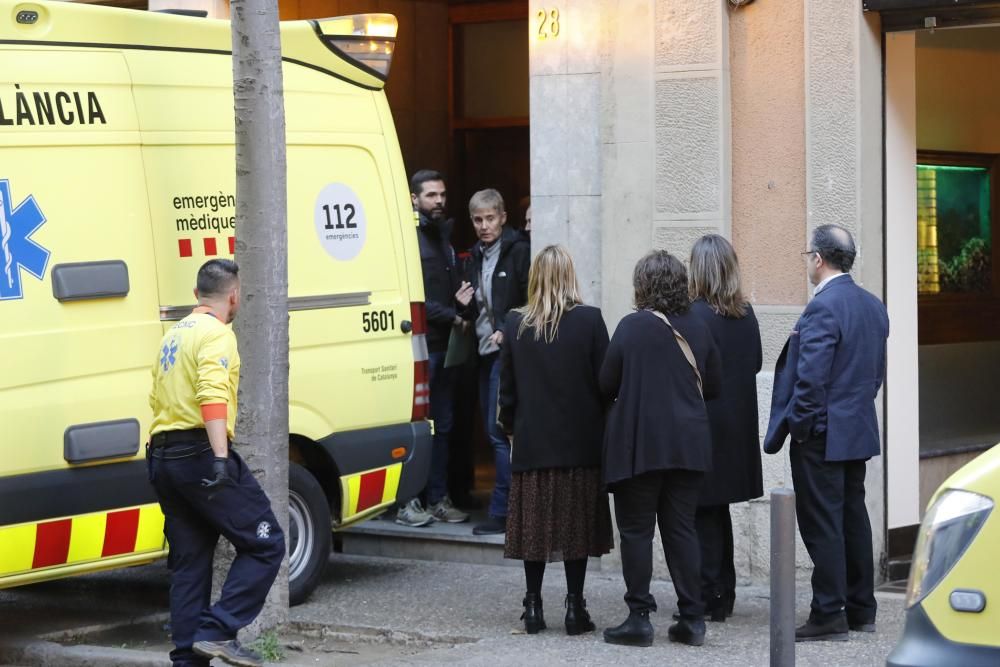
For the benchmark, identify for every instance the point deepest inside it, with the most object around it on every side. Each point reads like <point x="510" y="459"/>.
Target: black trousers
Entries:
<point x="195" y="517"/>
<point x="670" y="498"/>
<point x="834" y="524"/>
<point x="715" y="536"/>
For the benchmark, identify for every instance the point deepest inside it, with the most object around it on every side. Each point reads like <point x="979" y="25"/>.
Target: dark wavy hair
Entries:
<point x="661" y="283"/>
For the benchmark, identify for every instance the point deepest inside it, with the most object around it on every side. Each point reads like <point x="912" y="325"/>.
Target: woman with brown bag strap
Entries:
<point x="657" y="443"/>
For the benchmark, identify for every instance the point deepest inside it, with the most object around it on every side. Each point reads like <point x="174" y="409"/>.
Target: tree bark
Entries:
<point x="262" y="253"/>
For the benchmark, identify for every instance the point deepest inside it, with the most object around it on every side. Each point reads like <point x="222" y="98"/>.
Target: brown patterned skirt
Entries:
<point x="557" y="514"/>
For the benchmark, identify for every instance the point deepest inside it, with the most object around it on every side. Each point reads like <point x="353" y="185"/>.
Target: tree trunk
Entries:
<point x="262" y="253"/>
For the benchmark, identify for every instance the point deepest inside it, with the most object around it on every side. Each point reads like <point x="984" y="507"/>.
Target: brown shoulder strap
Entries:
<point x="685" y="348"/>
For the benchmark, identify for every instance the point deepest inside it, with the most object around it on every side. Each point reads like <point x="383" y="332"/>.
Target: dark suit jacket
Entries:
<point x="549" y="399"/>
<point x="658" y="420"/>
<point x="829" y="373"/>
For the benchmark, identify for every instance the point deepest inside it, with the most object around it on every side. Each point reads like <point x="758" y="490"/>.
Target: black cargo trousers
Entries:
<point x="195" y="516"/>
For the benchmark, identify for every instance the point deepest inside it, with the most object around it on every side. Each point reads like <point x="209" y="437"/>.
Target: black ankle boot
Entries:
<point x="687" y="631"/>
<point x="635" y="631"/>
<point x="533" y="618"/>
<point x="577" y="618"/>
<point x="716" y="608"/>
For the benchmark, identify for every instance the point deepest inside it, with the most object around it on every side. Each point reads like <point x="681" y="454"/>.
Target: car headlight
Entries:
<point x="947" y="530"/>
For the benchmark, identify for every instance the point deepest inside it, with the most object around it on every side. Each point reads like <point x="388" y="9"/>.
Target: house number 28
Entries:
<point x="548" y="23"/>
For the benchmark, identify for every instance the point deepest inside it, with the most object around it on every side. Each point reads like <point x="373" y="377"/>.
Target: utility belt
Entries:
<point x="178" y="444"/>
<point x="186" y="436"/>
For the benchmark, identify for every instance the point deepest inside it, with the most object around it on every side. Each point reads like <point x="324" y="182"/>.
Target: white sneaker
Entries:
<point x="445" y="511"/>
<point x="414" y="515"/>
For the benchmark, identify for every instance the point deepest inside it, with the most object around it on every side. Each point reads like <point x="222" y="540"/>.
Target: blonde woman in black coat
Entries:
<point x="549" y="401"/>
<point x="657" y="444"/>
<point x="714" y="285"/>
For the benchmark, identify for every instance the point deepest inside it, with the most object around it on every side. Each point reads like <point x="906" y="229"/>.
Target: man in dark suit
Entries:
<point x="825" y="383"/>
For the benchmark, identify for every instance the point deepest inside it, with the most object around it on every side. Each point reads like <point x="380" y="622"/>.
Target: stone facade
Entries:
<point x="660" y="134"/>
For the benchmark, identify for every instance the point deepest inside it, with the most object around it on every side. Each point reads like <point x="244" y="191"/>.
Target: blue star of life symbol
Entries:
<point x="168" y="355"/>
<point x="17" y="250"/>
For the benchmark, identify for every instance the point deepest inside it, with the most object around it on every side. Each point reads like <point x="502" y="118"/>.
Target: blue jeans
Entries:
<point x="489" y="385"/>
<point x="442" y="412"/>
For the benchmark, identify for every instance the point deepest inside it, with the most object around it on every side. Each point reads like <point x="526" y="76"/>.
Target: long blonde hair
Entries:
<point x="552" y="292"/>
<point x="715" y="276"/>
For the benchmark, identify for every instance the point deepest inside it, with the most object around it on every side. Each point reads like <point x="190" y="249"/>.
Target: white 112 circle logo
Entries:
<point x="340" y="220"/>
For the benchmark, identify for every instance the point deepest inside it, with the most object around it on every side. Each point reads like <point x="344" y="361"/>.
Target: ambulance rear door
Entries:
<point x="78" y="319"/>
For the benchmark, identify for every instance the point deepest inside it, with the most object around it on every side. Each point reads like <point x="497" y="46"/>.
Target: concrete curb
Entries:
<point x="42" y="653"/>
<point x="51" y="653"/>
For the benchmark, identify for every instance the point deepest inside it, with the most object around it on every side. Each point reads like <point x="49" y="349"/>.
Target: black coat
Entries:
<point x="437" y="259"/>
<point x="510" y="278"/>
<point x="549" y="395"/>
<point x="658" y="420"/>
<point x="732" y="415"/>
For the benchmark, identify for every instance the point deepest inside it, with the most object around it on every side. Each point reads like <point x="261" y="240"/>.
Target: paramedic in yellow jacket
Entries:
<point x="204" y="487"/>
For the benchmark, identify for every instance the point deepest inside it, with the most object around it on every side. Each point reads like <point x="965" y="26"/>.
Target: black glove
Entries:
<point x="218" y="472"/>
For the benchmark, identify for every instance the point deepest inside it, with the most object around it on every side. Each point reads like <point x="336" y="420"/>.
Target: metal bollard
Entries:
<point x="782" y="578"/>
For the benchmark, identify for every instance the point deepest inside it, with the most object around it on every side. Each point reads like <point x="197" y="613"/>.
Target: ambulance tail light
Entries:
<point x="367" y="41"/>
<point x="421" y="363"/>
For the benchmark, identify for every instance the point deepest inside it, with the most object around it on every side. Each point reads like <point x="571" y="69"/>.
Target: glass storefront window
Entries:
<point x="954" y="239"/>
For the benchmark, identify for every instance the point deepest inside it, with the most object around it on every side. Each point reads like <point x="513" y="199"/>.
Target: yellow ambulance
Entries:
<point x="116" y="183"/>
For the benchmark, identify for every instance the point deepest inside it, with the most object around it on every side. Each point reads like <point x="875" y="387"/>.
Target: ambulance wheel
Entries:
<point x="309" y="533"/>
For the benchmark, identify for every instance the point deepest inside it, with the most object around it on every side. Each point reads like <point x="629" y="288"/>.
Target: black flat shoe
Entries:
<point x="635" y="631"/>
<point x="577" y="617"/>
<point x="491" y="526"/>
<point x="827" y="631"/>
<point x="687" y="631"/>
<point x="534" y="619"/>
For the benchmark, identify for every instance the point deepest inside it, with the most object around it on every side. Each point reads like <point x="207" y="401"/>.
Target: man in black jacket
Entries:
<point x="437" y="259"/>
<point x="496" y="282"/>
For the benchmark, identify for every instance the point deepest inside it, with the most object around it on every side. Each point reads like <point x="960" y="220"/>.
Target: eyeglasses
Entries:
<point x="809" y="252"/>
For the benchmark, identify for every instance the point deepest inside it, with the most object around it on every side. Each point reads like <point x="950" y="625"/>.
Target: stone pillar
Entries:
<point x="844" y="158"/>
<point x="667" y="150"/>
<point x="565" y="84"/>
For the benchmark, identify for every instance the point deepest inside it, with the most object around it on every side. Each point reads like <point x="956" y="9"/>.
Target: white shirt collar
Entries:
<point x="824" y="283"/>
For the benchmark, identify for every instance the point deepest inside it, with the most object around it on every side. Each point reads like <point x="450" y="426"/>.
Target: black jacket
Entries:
<point x="736" y="473"/>
<point x="549" y="395"/>
<point x="510" y="278"/>
<point x="437" y="259"/>
<point x="658" y="420"/>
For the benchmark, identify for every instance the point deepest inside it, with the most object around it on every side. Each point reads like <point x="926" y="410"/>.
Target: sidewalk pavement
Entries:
<point x="431" y="613"/>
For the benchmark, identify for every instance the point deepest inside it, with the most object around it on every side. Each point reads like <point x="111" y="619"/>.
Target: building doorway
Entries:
<point x="942" y="257"/>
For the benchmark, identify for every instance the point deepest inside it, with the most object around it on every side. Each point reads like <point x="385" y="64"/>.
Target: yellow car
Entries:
<point x="953" y="598"/>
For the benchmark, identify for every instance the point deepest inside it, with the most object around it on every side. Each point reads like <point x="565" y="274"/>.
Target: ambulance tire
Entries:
<point x="309" y="533"/>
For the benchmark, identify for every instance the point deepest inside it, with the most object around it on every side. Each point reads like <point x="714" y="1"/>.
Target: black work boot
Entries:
<point x="635" y="631"/>
<point x="533" y="618"/>
<point x="577" y="618"/>
<point x="687" y="631"/>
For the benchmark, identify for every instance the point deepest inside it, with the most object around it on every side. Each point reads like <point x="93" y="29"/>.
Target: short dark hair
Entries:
<point x="216" y="276"/>
<point x="835" y="245"/>
<point x="661" y="283"/>
<point x="423" y="176"/>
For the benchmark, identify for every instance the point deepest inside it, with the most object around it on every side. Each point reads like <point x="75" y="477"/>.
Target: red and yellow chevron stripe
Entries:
<point x="29" y="547"/>
<point x="368" y="491"/>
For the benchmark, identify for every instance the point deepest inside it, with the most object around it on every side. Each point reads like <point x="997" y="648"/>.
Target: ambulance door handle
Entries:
<point x="406" y="326"/>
